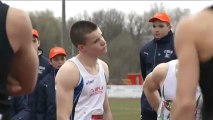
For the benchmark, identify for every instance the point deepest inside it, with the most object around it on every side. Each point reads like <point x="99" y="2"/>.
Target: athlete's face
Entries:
<point x="160" y="29"/>
<point x="57" y="61"/>
<point x="95" y="44"/>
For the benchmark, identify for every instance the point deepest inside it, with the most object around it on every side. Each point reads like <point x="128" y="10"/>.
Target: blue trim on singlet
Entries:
<point x="101" y="67"/>
<point x="105" y="77"/>
<point x="77" y="93"/>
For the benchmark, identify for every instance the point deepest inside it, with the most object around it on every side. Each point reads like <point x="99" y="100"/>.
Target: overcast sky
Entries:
<point x="75" y="7"/>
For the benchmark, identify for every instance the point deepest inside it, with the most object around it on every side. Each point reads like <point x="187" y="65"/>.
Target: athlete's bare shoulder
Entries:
<point x="204" y="20"/>
<point x="157" y="76"/>
<point x="18" y="26"/>
<point x="187" y="24"/>
<point x="196" y="25"/>
<point x="187" y="33"/>
<point x="194" y="33"/>
<point x="103" y="63"/>
<point x="70" y="68"/>
<point x="68" y="73"/>
<point x="105" y="66"/>
<point x="160" y="71"/>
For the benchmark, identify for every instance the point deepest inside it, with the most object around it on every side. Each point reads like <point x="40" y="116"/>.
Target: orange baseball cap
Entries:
<point x="56" y="51"/>
<point x="35" y="33"/>
<point x="161" y="16"/>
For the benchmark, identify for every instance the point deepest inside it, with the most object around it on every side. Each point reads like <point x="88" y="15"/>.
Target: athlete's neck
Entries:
<point x="89" y="63"/>
<point x="87" y="60"/>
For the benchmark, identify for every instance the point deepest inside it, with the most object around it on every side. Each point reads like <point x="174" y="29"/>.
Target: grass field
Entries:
<point x="125" y="109"/>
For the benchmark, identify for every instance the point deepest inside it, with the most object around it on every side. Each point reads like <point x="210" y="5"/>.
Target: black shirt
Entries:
<point x="6" y="54"/>
<point x="206" y="85"/>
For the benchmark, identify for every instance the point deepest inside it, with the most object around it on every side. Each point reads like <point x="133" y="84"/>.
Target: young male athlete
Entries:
<point x="81" y="81"/>
<point x="163" y="77"/>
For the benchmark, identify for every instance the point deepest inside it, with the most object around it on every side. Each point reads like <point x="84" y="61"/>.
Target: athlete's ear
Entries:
<point x="80" y="47"/>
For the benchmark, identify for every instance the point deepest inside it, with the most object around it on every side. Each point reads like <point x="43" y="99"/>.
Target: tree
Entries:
<point x="176" y="14"/>
<point x="125" y="34"/>
<point x="49" y="29"/>
<point x="122" y="56"/>
<point x="111" y="22"/>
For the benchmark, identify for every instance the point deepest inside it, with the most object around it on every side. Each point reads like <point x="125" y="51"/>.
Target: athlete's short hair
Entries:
<point x="79" y="30"/>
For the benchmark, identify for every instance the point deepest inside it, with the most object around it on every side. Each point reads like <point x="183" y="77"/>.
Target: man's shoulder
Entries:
<point x="160" y="71"/>
<point x="148" y="45"/>
<point x="43" y="58"/>
<point x="20" y="37"/>
<point x="103" y="62"/>
<point x="68" y="75"/>
<point x="151" y="42"/>
<point x="69" y="68"/>
<point x="44" y="61"/>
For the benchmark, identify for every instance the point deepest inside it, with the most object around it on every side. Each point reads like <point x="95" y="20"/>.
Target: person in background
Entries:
<point x="46" y="105"/>
<point x="19" y="108"/>
<point x="43" y="70"/>
<point x="158" y="50"/>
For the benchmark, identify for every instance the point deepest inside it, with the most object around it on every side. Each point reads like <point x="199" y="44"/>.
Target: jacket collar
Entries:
<point x="40" y="52"/>
<point x="166" y="38"/>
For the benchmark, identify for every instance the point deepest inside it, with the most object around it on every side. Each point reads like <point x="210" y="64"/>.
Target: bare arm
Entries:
<point x="107" y="110"/>
<point x="24" y="66"/>
<point x="66" y="80"/>
<point x="188" y="73"/>
<point x="152" y="84"/>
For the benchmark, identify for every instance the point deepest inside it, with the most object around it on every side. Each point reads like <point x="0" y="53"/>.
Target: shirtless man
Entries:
<point x="19" y="61"/>
<point x="194" y="47"/>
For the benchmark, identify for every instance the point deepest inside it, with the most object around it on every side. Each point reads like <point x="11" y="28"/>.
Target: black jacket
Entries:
<point x="46" y="107"/>
<point x="152" y="54"/>
<point x="6" y="54"/>
<point x="44" y="69"/>
<point x="19" y="108"/>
